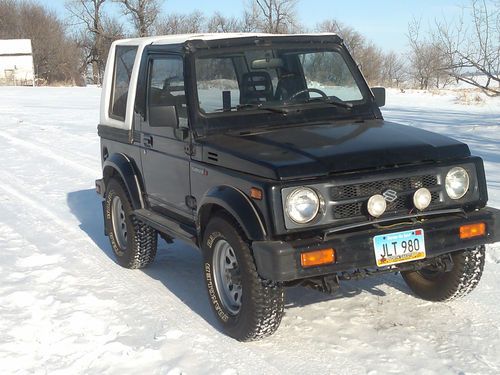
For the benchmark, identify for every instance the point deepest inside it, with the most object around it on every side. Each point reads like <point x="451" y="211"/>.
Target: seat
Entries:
<point x="173" y="95"/>
<point x="289" y="84"/>
<point x="256" y="87"/>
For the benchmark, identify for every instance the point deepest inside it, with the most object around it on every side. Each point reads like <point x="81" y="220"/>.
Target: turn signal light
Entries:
<point x="256" y="193"/>
<point x="317" y="258"/>
<point x="472" y="230"/>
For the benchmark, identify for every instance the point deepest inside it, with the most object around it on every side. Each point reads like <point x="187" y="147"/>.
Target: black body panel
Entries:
<point x="128" y="172"/>
<point x="164" y="160"/>
<point x="319" y="150"/>
<point x="239" y="206"/>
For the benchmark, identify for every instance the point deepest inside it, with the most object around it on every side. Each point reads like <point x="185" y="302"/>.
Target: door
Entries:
<point x="165" y="163"/>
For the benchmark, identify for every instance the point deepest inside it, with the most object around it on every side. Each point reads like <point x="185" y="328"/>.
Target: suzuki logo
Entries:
<point x="390" y="195"/>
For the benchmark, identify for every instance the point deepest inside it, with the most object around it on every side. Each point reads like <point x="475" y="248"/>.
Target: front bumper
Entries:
<point x="280" y="261"/>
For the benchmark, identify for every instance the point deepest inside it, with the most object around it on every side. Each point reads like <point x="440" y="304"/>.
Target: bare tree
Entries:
<point x="219" y="23"/>
<point x="394" y="70"/>
<point x="96" y="33"/>
<point x="143" y="13"/>
<point x="8" y="17"/>
<point x="427" y="62"/>
<point x="55" y="55"/>
<point x="274" y="16"/>
<point x="250" y="21"/>
<point x="369" y="57"/>
<point x="172" y="24"/>
<point x="354" y="41"/>
<point x="472" y="52"/>
<point x="177" y="23"/>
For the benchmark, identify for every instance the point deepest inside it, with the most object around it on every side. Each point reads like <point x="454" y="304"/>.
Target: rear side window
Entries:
<point x="124" y="62"/>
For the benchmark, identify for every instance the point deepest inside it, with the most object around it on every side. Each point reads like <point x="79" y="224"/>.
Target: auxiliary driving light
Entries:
<point x="377" y="205"/>
<point x="422" y="198"/>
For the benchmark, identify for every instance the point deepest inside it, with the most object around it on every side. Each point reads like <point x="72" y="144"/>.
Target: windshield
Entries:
<point x="274" y="78"/>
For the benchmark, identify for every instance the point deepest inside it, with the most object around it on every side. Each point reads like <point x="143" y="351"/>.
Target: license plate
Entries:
<point x="400" y="247"/>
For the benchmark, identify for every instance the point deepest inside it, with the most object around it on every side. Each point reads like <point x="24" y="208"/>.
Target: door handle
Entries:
<point x="147" y="141"/>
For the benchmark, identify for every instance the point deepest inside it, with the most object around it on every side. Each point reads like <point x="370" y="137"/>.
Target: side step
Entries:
<point x="166" y="225"/>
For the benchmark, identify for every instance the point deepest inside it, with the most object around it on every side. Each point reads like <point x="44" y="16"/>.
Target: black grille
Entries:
<point x="356" y="195"/>
<point x="348" y="210"/>
<point x="367" y="189"/>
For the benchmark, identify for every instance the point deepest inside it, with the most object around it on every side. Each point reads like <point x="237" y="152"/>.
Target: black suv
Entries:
<point x="270" y="153"/>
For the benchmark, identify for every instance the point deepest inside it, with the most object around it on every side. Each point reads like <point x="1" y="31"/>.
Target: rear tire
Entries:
<point x="444" y="286"/>
<point x="134" y="243"/>
<point x="248" y="307"/>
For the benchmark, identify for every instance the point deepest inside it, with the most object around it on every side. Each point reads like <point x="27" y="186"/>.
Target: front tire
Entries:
<point x="133" y="242"/>
<point x="433" y="285"/>
<point x="248" y="307"/>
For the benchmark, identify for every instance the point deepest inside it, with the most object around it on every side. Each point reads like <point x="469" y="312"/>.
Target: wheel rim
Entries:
<point x="227" y="276"/>
<point x="119" y="222"/>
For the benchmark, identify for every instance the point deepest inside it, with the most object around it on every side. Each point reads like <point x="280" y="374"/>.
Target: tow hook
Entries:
<point x="328" y="284"/>
<point x="446" y="263"/>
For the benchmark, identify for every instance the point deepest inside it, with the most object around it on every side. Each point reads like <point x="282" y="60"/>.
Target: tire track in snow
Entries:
<point x="153" y="296"/>
<point x="102" y="260"/>
<point x="45" y="151"/>
<point x="43" y="142"/>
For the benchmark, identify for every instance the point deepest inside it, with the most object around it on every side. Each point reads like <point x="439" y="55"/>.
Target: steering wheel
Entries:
<point x="317" y="91"/>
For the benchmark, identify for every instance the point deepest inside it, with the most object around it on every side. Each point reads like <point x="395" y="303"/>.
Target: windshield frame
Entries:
<point x="217" y="122"/>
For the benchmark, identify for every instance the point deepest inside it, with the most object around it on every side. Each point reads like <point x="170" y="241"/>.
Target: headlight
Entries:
<point x="302" y="205"/>
<point x="457" y="182"/>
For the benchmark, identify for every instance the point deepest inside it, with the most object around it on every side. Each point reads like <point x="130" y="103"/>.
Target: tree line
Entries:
<point x="75" y="48"/>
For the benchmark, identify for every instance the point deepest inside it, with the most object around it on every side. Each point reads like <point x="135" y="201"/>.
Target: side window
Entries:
<point x="124" y="62"/>
<point x="166" y="85"/>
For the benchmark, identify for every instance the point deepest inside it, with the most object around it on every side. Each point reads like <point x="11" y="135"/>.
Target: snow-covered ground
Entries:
<point x="66" y="307"/>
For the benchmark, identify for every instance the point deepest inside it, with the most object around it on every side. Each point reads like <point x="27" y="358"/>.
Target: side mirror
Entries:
<point x="379" y="94"/>
<point x="163" y="116"/>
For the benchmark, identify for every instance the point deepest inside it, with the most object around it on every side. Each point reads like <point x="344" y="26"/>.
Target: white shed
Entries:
<point x="16" y="62"/>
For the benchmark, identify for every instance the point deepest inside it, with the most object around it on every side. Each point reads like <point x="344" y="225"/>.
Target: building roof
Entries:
<point x="10" y="47"/>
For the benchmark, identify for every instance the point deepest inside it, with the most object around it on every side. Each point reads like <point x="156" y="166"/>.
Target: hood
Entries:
<point x="316" y="150"/>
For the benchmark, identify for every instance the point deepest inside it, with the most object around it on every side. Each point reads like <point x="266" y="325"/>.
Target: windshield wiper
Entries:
<point x="258" y="106"/>
<point x="237" y="107"/>
<point x="329" y="101"/>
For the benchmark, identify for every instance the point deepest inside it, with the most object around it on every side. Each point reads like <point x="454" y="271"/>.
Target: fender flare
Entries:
<point x="126" y="169"/>
<point x="239" y="206"/>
